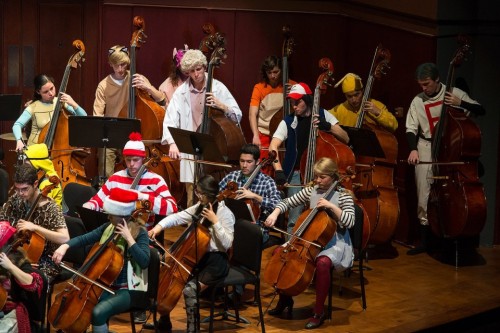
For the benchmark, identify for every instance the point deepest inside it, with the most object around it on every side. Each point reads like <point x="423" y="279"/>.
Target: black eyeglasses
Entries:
<point x="123" y="49"/>
<point x="295" y="102"/>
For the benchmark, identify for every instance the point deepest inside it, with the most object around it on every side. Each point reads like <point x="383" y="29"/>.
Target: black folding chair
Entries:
<point x="245" y="269"/>
<point x="356" y="234"/>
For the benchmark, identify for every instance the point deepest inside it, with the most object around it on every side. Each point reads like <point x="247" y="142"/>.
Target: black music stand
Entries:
<point x="364" y="142"/>
<point x="92" y="219"/>
<point x="240" y="209"/>
<point x="203" y="147"/>
<point x="10" y="105"/>
<point x="101" y="132"/>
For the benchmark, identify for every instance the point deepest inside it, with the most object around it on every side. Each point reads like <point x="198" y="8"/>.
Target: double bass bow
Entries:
<point x="457" y="201"/>
<point x="69" y="162"/>
<point x="374" y="175"/>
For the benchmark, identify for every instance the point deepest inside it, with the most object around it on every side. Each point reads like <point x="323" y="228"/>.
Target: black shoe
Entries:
<point x="164" y="324"/>
<point x="424" y="240"/>
<point x="315" y="321"/>
<point x="285" y="302"/>
<point x="416" y="250"/>
<point x="140" y="317"/>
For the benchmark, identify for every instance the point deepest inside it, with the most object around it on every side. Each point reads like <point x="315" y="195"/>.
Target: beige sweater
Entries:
<point x="110" y="97"/>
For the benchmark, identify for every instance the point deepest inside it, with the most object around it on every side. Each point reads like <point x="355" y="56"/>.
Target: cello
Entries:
<point x="34" y="242"/>
<point x="183" y="255"/>
<point x="72" y="308"/>
<point x="11" y="247"/>
<point x="69" y="162"/>
<point x="290" y="270"/>
<point x="232" y="187"/>
<point x="228" y="135"/>
<point x="374" y="178"/>
<point x="457" y="201"/>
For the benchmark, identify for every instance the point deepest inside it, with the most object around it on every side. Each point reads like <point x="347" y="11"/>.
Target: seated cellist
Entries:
<point x="21" y="287"/>
<point x="134" y="242"/>
<point x="294" y="131"/>
<point x="47" y="218"/>
<point x="338" y="252"/>
<point x="214" y="265"/>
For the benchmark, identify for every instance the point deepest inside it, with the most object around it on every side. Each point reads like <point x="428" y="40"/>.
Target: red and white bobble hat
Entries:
<point x="297" y="91"/>
<point x="6" y="231"/>
<point x="135" y="146"/>
<point x="120" y="202"/>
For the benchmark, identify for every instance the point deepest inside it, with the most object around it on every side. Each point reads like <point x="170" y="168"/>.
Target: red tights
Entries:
<point x="323" y="269"/>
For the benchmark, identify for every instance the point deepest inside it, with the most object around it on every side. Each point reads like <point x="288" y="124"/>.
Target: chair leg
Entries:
<point x="132" y="321"/>
<point x="362" y="280"/>
<point x="212" y="308"/>
<point x="225" y="314"/>
<point x="48" y="305"/>
<point x="261" y="313"/>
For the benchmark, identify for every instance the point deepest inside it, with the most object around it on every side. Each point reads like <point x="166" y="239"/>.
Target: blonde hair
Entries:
<point x="326" y="166"/>
<point x="118" y="54"/>
<point x="192" y="59"/>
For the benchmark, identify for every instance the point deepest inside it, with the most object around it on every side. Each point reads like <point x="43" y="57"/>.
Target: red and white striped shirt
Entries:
<point x="150" y="183"/>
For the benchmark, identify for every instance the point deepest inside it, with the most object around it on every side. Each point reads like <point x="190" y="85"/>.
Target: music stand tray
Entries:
<point x="364" y="142"/>
<point x="10" y="106"/>
<point x="101" y="132"/>
<point x="91" y="219"/>
<point x="199" y="144"/>
<point x="240" y="209"/>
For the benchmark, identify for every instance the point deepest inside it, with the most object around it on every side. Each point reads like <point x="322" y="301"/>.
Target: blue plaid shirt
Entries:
<point x="262" y="185"/>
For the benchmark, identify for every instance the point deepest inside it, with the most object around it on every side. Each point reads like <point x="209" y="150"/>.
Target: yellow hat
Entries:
<point x="350" y="82"/>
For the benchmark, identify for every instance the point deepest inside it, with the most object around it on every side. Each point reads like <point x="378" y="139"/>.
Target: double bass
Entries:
<point x="69" y="162"/>
<point x="227" y="134"/>
<point x="323" y="144"/>
<point x="142" y="106"/>
<point x="457" y="201"/>
<point x="374" y="178"/>
<point x="286" y="51"/>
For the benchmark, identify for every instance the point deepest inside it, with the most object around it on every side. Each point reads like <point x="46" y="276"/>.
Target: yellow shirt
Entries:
<point x="347" y="116"/>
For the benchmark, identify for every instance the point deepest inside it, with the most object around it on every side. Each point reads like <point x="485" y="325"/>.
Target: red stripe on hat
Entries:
<point x="134" y="152"/>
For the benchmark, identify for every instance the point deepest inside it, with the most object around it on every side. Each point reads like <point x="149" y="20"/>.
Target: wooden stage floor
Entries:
<point x="404" y="294"/>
